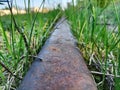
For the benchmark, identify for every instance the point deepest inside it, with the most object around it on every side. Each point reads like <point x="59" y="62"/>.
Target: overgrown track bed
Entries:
<point x="59" y="65"/>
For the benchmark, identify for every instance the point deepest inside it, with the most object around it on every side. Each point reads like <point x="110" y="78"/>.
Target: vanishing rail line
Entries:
<point x="59" y="65"/>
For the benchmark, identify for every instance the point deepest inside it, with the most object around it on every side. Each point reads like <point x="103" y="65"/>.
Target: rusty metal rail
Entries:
<point x="59" y="65"/>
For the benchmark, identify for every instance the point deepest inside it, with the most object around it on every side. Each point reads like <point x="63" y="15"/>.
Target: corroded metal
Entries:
<point x="59" y="65"/>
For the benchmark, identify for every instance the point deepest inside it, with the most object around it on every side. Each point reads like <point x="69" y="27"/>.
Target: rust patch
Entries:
<point x="62" y="68"/>
<point x="52" y="48"/>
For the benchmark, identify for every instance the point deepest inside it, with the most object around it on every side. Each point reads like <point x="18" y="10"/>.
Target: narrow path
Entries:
<point x="59" y="65"/>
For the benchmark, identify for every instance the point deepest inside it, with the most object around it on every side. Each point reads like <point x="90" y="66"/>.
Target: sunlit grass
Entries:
<point x="97" y="42"/>
<point x="90" y="25"/>
<point x="14" y="56"/>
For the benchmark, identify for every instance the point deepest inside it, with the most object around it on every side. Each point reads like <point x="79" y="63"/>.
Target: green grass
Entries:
<point x="96" y="41"/>
<point x="90" y="25"/>
<point x="14" y="56"/>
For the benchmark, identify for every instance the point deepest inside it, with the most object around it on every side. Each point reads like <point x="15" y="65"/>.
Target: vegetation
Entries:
<point x="96" y="27"/>
<point x="95" y="24"/>
<point x="21" y="37"/>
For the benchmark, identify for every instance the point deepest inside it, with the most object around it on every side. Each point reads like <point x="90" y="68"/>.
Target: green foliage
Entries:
<point x="102" y="3"/>
<point x="97" y="42"/>
<point x="117" y="83"/>
<point x="14" y="58"/>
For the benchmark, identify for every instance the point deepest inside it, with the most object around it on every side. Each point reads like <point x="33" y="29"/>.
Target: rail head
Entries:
<point x="60" y="65"/>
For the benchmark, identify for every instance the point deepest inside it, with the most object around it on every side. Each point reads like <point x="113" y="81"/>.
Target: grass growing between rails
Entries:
<point x="97" y="29"/>
<point x="19" y="48"/>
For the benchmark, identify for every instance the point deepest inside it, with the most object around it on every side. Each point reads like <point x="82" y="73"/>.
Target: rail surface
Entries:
<point x="59" y="65"/>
